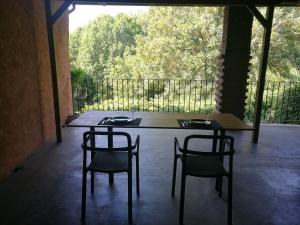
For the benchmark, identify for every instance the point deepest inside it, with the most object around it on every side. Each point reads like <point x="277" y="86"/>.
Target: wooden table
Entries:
<point x="158" y="120"/>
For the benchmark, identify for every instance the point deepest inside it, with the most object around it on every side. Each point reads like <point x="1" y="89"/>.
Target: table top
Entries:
<point x="159" y="120"/>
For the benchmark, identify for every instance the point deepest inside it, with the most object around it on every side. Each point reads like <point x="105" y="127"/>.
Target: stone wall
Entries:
<point x="26" y="103"/>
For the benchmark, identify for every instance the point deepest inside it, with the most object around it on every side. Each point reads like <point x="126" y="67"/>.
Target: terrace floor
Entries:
<point x="266" y="189"/>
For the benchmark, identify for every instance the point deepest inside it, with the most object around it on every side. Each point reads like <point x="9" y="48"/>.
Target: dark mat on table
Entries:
<point x="115" y="121"/>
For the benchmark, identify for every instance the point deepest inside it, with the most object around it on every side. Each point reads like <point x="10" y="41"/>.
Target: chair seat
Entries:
<point x="107" y="162"/>
<point x="204" y="166"/>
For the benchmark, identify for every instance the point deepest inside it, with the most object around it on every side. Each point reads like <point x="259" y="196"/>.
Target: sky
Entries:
<point x="85" y="13"/>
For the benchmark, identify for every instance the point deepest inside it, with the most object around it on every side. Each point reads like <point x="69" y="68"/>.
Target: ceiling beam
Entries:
<point x="254" y="11"/>
<point x="60" y="11"/>
<point x="193" y="2"/>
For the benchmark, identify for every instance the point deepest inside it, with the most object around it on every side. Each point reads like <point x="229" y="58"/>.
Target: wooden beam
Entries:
<point x="60" y="11"/>
<point x="192" y="2"/>
<point x="262" y="73"/>
<point x="254" y="11"/>
<point x="53" y="70"/>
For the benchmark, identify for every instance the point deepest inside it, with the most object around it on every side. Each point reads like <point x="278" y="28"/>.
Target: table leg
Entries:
<point x="110" y="145"/>
<point x="93" y="143"/>
<point x="214" y="145"/>
<point x="218" y="185"/>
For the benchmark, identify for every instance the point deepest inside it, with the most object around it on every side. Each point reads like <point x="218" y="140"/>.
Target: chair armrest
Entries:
<point x="136" y="144"/>
<point x="86" y="140"/>
<point x="177" y="146"/>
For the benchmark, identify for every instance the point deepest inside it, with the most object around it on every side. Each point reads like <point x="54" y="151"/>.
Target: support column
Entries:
<point x="234" y="61"/>
<point x="262" y="71"/>
<point x="53" y="70"/>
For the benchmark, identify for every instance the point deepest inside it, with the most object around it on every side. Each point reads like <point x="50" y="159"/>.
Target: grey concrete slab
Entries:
<point x="266" y="189"/>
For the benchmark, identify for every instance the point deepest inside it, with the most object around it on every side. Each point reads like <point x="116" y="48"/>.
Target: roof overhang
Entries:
<point x="190" y="2"/>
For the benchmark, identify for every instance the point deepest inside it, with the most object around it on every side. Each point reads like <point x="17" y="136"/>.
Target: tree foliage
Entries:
<point x="96" y="47"/>
<point x="178" y="43"/>
<point x="284" y="54"/>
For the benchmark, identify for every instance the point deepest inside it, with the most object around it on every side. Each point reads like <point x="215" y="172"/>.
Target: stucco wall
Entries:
<point x="26" y="104"/>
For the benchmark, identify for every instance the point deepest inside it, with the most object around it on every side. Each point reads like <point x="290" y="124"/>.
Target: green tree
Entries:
<point x="96" y="47"/>
<point x="284" y="54"/>
<point x="177" y="42"/>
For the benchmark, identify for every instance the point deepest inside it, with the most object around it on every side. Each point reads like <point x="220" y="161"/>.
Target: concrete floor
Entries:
<point x="266" y="188"/>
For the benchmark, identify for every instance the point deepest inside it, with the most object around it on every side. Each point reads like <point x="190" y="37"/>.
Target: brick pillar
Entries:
<point x="234" y="61"/>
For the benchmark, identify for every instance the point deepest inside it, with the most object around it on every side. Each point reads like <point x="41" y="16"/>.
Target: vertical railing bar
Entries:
<point x="169" y="95"/>
<point x="148" y="99"/>
<point x="282" y="102"/>
<point x="143" y="94"/>
<point x="107" y="95"/>
<point x="288" y="101"/>
<point x="128" y="94"/>
<point x="200" y="96"/>
<point x="123" y="97"/>
<point x="179" y="104"/>
<point x="271" y="103"/>
<point x="205" y="102"/>
<point x="211" y="93"/>
<point x="195" y="96"/>
<point x="158" y="81"/>
<point x="163" y="95"/>
<point x="112" y="101"/>
<point x="266" y="100"/>
<point x="174" y="95"/>
<point x="153" y="91"/>
<point x="293" y="109"/>
<point x="82" y="94"/>
<point x="85" y="92"/>
<point x="297" y="96"/>
<point x="102" y="93"/>
<point x="184" y="90"/>
<point x="78" y="97"/>
<point x="190" y="95"/>
<point x="138" y="94"/>
<point x="97" y="84"/>
<point x="118" y="100"/>
<point x="276" y="104"/>
<point x="132" y="95"/>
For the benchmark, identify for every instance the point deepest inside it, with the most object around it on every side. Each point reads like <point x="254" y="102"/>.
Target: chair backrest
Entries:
<point x="89" y="141"/>
<point x="223" y="139"/>
<point x="220" y="154"/>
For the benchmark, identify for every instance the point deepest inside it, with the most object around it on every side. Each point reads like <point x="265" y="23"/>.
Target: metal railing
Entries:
<point x="281" y="101"/>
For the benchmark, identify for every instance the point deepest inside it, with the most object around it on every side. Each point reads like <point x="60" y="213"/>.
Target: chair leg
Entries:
<point x="137" y="174"/>
<point x="182" y="194"/>
<point x="83" y="200"/>
<point x="130" y="197"/>
<point x="220" y="186"/>
<point x="174" y="175"/>
<point x="229" y="200"/>
<point x="217" y="184"/>
<point x="111" y="178"/>
<point x="92" y="181"/>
